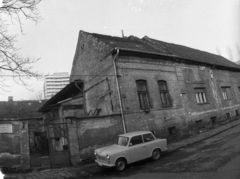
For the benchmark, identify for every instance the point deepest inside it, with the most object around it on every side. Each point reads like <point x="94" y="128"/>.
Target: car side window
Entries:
<point x="136" y="140"/>
<point x="148" y="137"/>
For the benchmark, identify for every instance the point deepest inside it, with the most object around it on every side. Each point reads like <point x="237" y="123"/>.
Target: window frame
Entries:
<point x="133" y="144"/>
<point x="200" y="95"/>
<point x="145" y="138"/>
<point x="143" y="95"/>
<point x="165" y="97"/>
<point x="226" y="92"/>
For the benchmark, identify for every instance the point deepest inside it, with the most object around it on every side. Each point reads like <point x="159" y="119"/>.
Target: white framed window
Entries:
<point x="226" y="92"/>
<point x="200" y="95"/>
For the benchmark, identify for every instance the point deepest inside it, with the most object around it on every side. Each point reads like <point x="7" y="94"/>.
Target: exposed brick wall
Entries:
<point x="24" y="146"/>
<point x="93" y="64"/>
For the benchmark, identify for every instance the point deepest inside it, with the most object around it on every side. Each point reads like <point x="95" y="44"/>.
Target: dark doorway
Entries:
<point x="38" y="145"/>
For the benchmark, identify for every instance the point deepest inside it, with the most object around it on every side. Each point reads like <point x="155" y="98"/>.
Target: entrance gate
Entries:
<point x="58" y="145"/>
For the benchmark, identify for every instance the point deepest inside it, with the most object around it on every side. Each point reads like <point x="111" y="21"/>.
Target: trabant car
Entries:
<point x="130" y="147"/>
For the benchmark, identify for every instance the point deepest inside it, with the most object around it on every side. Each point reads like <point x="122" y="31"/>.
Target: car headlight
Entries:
<point x="108" y="157"/>
<point x="95" y="153"/>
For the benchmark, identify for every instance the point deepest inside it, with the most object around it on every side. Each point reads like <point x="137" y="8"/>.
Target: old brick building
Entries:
<point x="130" y="84"/>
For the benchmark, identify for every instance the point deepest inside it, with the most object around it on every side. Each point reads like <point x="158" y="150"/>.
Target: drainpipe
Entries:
<point x="118" y="90"/>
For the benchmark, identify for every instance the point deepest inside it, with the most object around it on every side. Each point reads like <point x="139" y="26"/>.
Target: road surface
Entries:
<point x="216" y="157"/>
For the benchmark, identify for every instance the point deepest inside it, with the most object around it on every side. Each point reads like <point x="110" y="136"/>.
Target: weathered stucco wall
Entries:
<point x="10" y="147"/>
<point x="14" y="146"/>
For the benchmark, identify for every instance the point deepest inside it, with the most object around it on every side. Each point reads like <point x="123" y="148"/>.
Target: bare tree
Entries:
<point x="12" y="63"/>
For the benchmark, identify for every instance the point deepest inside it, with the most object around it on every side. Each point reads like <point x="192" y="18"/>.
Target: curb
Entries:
<point x="204" y="138"/>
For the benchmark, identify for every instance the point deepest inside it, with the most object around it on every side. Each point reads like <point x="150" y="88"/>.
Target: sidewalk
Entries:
<point x="86" y="170"/>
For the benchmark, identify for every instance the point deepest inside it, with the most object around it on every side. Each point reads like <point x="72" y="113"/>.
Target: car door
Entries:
<point x="137" y="149"/>
<point x="150" y="143"/>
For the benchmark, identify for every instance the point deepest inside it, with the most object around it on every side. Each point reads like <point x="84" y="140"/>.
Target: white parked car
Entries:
<point x="131" y="147"/>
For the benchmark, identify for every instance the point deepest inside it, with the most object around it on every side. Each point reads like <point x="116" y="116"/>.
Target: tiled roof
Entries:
<point x="20" y="109"/>
<point x="192" y="54"/>
<point x="155" y="46"/>
<point x="128" y="42"/>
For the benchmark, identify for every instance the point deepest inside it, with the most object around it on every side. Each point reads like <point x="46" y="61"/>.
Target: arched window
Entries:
<point x="164" y="93"/>
<point x="143" y="95"/>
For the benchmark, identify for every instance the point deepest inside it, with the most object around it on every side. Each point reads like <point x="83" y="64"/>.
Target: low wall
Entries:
<point x="87" y="134"/>
<point x="14" y="146"/>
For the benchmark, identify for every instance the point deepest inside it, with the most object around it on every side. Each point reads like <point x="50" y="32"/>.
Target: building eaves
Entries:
<point x="194" y="55"/>
<point x="136" y="46"/>
<point x="71" y="90"/>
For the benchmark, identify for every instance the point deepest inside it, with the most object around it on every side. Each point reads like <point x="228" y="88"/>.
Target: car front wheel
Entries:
<point x="120" y="164"/>
<point x="156" y="154"/>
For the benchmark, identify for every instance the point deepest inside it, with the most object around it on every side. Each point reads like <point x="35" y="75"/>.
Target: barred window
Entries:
<point x="143" y="95"/>
<point x="200" y="95"/>
<point x="164" y="94"/>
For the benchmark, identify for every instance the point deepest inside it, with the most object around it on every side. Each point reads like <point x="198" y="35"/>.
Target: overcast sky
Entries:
<point x="202" y="24"/>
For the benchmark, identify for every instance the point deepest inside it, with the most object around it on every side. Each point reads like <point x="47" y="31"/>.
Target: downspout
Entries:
<point x="118" y="90"/>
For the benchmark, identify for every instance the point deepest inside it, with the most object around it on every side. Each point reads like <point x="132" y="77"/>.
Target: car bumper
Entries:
<point x="104" y="164"/>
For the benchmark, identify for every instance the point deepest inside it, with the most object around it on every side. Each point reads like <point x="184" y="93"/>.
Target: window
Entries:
<point x="199" y="124"/>
<point x="200" y="95"/>
<point x="143" y="94"/>
<point x="226" y="92"/>
<point x="164" y="94"/>
<point x="237" y="112"/>
<point x="148" y="137"/>
<point x="136" y="140"/>
<point x="214" y="119"/>
<point x="122" y="141"/>
<point x="172" y="130"/>
<point x="228" y="115"/>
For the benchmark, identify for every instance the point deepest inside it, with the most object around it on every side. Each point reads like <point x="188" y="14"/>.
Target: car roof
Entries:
<point x="131" y="134"/>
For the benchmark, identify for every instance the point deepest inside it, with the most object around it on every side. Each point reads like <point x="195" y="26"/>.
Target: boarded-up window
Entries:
<point x="143" y="95"/>
<point x="200" y="95"/>
<point x="164" y="94"/>
<point x="226" y="92"/>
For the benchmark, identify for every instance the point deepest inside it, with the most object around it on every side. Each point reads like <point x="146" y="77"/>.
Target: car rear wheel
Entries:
<point x="156" y="154"/>
<point x="120" y="164"/>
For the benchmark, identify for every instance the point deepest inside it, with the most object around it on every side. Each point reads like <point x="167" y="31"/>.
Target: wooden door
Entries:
<point x="58" y="145"/>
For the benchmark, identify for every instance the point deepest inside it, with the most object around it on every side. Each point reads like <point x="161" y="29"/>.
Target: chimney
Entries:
<point x="122" y="34"/>
<point x="10" y="99"/>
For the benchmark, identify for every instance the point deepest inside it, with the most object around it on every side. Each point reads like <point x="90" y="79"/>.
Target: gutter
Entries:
<point x="119" y="92"/>
<point x="144" y="52"/>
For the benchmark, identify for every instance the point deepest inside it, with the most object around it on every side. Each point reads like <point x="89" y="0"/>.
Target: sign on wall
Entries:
<point x="5" y="128"/>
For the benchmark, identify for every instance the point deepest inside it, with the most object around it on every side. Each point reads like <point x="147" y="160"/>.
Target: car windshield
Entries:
<point x="122" y="141"/>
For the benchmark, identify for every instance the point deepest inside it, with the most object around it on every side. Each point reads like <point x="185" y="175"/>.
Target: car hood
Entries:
<point x="110" y="149"/>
